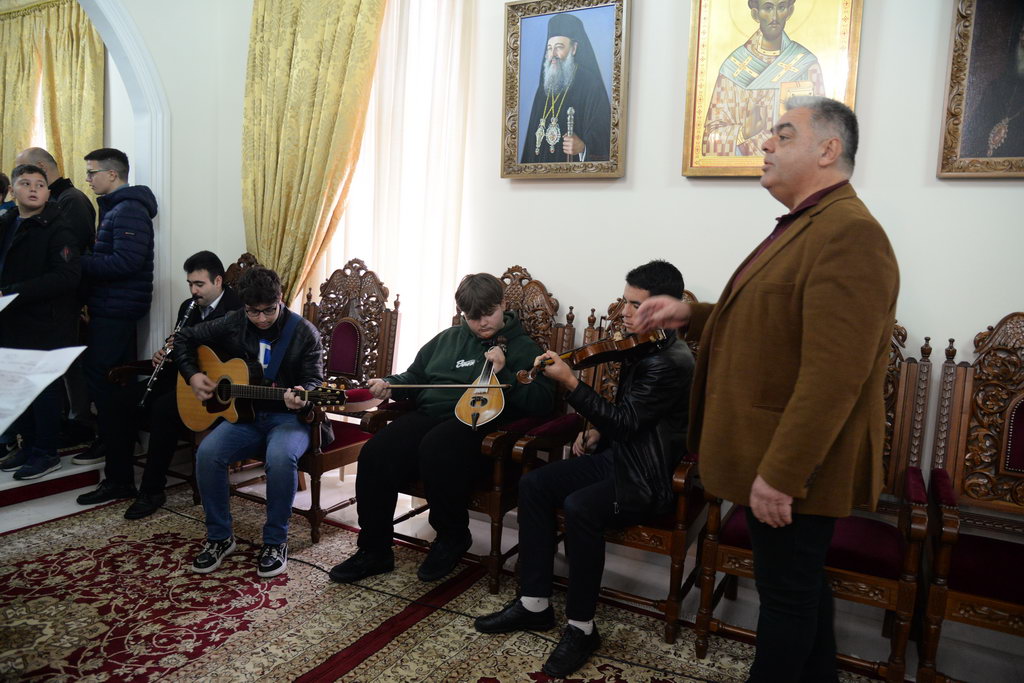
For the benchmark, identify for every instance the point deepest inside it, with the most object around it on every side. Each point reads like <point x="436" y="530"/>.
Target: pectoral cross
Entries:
<point x="743" y="66"/>
<point x="791" y="67"/>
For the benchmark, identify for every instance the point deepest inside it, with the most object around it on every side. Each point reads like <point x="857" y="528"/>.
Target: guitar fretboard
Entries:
<point x="257" y="392"/>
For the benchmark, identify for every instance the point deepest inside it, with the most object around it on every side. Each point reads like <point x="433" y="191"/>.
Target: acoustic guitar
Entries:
<point x="238" y="384"/>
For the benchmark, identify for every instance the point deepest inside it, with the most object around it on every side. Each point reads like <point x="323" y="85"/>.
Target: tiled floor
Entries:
<point x="967" y="653"/>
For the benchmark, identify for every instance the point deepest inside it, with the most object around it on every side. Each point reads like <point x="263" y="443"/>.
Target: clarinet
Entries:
<point x="167" y="350"/>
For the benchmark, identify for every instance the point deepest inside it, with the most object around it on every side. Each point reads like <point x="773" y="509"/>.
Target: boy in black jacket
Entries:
<point x="39" y="263"/>
<point x="263" y="329"/>
<point x="621" y="475"/>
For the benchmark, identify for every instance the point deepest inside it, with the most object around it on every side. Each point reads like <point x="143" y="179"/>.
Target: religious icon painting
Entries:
<point x="747" y="58"/>
<point x="564" y="109"/>
<point x="983" y="124"/>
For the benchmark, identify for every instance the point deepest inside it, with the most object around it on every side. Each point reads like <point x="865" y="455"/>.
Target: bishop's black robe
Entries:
<point x="592" y="120"/>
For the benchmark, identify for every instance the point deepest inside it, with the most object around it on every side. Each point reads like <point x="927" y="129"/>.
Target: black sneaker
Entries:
<point x="16" y="460"/>
<point x="212" y="555"/>
<point x="443" y="556"/>
<point x="272" y="560"/>
<point x="515" y="617"/>
<point x="97" y="452"/>
<point x="572" y="652"/>
<point x="106" y="491"/>
<point x="362" y="565"/>
<point x="144" y="505"/>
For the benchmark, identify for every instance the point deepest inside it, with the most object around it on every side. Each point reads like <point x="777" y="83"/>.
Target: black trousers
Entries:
<point x="160" y="417"/>
<point x="38" y="424"/>
<point x="585" y="489"/>
<point x="795" y="636"/>
<point x="441" y="451"/>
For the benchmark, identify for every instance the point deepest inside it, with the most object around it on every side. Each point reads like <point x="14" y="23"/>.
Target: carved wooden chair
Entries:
<point x="977" y="492"/>
<point x="672" y="533"/>
<point x="358" y="332"/>
<point x="125" y="375"/>
<point x="497" y="493"/>
<point x="870" y="561"/>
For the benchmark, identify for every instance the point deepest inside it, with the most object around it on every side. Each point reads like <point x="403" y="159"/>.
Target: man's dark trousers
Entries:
<point x="795" y="636"/>
<point x="160" y="417"/>
<point x="111" y="343"/>
<point x="441" y="451"/>
<point x="585" y="489"/>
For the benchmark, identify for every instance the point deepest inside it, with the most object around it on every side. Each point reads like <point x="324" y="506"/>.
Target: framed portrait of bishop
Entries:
<point x="564" y="90"/>
<point x="747" y="57"/>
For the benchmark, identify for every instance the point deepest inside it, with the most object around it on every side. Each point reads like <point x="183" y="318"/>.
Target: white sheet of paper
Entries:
<point x="6" y="299"/>
<point x="24" y="373"/>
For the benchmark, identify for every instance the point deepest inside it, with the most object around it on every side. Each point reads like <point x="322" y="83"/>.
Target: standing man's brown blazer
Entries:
<point x="789" y="380"/>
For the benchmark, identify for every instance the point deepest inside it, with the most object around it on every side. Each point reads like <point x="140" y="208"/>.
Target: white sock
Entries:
<point x="534" y="604"/>
<point x="586" y="626"/>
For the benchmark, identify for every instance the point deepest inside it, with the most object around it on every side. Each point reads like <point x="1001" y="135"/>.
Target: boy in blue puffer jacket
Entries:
<point x="118" y="278"/>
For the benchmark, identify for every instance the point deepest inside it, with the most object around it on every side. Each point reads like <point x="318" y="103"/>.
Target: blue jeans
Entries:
<point x="283" y="438"/>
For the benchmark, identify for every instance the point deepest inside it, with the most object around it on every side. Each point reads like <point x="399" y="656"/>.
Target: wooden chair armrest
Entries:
<point x="681" y="477"/>
<point x="375" y="420"/>
<point x="129" y="372"/>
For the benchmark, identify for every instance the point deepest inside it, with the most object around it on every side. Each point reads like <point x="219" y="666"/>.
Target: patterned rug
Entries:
<point x="93" y="597"/>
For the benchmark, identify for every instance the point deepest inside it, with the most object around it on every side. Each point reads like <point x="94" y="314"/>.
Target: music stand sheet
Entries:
<point x="24" y="373"/>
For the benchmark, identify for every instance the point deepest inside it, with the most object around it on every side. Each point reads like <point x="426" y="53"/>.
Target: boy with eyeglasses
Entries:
<point x="264" y="331"/>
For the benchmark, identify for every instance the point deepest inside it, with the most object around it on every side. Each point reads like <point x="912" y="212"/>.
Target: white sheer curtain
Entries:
<point x="403" y="215"/>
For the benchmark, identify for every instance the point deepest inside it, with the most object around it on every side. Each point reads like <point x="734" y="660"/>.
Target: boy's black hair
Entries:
<point x="478" y="294"/>
<point x="657" y="277"/>
<point x="258" y="286"/>
<point x="25" y="169"/>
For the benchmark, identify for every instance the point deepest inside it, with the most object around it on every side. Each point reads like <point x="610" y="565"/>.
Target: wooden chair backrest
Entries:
<point x="354" y="298"/>
<point x="979" y="435"/>
<point x="235" y="270"/>
<point x="537" y="309"/>
<point x="906" y="400"/>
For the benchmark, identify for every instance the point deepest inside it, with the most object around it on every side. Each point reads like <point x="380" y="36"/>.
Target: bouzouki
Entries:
<point x="238" y="384"/>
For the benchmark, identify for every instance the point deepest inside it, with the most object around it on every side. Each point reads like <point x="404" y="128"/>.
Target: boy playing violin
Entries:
<point x="622" y="474"/>
<point x="430" y="443"/>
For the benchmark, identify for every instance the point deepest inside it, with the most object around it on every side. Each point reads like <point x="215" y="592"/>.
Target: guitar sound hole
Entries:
<point x="223" y="392"/>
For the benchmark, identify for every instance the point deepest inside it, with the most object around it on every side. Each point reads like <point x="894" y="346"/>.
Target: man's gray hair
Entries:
<point x="833" y="118"/>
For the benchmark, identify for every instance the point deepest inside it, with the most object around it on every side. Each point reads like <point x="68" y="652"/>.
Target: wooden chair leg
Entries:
<point x="709" y="553"/>
<point x="675" y="586"/>
<point x="315" y="515"/>
<point x="935" y="610"/>
<point x="494" y="557"/>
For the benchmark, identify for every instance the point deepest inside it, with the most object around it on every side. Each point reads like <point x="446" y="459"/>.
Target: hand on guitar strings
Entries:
<point x="202" y="386"/>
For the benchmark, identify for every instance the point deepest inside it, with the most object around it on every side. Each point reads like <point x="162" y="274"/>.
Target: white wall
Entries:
<point x="958" y="241"/>
<point x="199" y="49"/>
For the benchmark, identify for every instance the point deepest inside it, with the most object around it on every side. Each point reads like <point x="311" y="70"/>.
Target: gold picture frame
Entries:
<point x="983" y="122"/>
<point x="585" y="91"/>
<point x="744" y="64"/>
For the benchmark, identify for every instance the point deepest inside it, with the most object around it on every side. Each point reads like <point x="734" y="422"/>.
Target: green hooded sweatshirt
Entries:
<point x="456" y="356"/>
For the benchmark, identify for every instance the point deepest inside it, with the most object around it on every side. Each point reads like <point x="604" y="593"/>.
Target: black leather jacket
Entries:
<point x="233" y="337"/>
<point x="645" y="427"/>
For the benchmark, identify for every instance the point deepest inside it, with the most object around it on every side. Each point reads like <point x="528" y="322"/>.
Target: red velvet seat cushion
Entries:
<point x="862" y="545"/>
<point x="346" y="434"/>
<point x="358" y="395"/>
<point x="525" y="424"/>
<point x="987" y="567"/>
<point x="564" y="425"/>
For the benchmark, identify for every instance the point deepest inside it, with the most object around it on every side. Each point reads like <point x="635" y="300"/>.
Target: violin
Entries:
<point x="595" y="353"/>
<point x="484" y="400"/>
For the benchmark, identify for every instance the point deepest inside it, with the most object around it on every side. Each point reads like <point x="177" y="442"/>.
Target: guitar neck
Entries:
<point x="262" y="393"/>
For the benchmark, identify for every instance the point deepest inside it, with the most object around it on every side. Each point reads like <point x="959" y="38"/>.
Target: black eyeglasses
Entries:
<point x="257" y="312"/>
<point x="90" y="172"/>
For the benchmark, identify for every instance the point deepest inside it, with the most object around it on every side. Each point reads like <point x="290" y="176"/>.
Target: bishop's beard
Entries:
<point x="558" y="73"/>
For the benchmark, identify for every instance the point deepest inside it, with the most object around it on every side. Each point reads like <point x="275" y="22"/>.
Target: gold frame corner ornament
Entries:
<point x="510" y="165"/>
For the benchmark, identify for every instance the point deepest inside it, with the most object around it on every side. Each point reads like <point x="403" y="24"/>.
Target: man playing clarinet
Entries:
<point x="151" y="404"/>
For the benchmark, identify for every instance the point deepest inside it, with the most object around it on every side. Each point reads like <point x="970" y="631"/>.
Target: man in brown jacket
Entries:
<point x="787" y="409"/>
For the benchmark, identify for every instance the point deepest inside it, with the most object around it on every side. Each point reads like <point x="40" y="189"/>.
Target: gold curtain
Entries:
<point x="19" y="67"/>
<point x="73" y="61"/>
<point x="310" y="70"/>
<point x="50" y="44"/>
